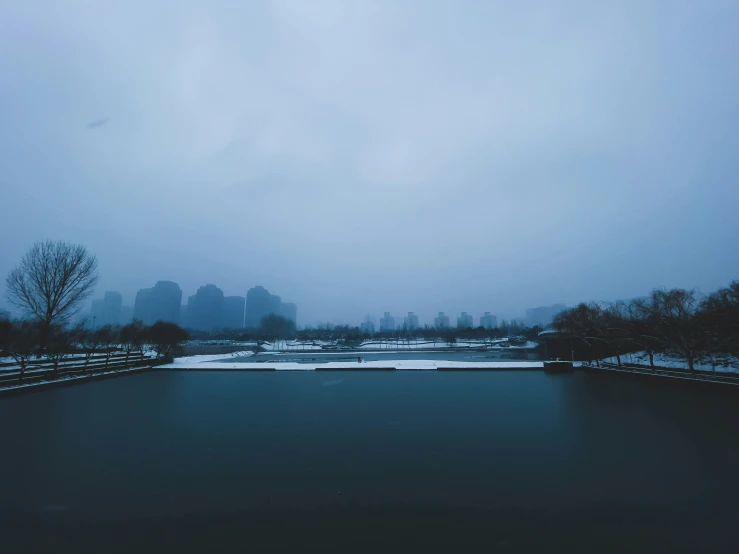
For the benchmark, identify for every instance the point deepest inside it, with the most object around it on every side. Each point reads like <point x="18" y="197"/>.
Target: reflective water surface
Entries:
<point x="501" y="461"/>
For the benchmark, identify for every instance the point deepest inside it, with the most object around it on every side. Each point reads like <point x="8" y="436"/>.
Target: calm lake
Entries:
<point x="499" y="461"/>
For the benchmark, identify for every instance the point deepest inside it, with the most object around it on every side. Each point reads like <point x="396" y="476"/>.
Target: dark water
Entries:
<point x="493" y="462"/>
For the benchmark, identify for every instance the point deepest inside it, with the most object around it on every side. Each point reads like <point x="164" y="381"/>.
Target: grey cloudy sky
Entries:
<point x="363" y="156"/>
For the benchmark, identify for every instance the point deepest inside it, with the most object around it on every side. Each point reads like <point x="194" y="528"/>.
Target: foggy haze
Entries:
<point x="358" y="157"/>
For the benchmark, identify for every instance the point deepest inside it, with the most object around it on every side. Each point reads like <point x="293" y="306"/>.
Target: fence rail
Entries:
<point x="43" y="370"/>
<point x="677" y="373"/>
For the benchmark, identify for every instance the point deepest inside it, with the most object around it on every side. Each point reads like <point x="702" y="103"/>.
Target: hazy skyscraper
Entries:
<point x="367" y="327"/>
<point x="411" y="321"/>
<point x="543" y="315"/>
<point x="161" y="302"/>
<point x="441" y="321"/>
<point x="387" y="322"/>
<point x="465" y="320"/>
<point x="107" y="311"/>
<point x="489" y="321"/>
<point x="289" y="311"/>
<point x="233" y="312"/>
<point x="260" y="303"/>
<point x="205" y="309"/>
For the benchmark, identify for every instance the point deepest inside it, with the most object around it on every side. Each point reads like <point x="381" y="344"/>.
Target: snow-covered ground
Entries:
<point x="43" y="359"/>
<point x="662" y="360"/>
<point x="72" y="360"/>
<point x="199" y="362"/>
<point x="188" y="360"/>
<point x="426" y="344"/>
<point x="290" y="345"/>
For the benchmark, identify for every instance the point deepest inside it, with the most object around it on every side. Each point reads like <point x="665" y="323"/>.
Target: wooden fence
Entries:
<point x="42" y="369"/>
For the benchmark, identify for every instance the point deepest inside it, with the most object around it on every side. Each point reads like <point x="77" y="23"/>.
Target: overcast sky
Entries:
<point x="365" y="156"/>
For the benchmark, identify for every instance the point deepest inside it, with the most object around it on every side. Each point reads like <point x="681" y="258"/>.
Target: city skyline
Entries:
<point x="421" y="318"/>
<point x="233" y="309"/>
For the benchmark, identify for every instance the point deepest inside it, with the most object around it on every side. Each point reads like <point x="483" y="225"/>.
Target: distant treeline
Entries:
<point x="276" y="327"/>
<point x="674" y="322"/>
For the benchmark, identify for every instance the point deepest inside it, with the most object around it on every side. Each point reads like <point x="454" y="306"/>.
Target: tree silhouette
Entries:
<point x="23" y="341"/>
<point x="165" y="337"/>
<point x="52" y="280"/>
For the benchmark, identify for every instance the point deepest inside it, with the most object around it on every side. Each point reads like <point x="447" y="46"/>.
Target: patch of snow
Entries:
<point x="289" y="345"/>
<point x="187" y="360"/>
<point x="665" y="361"/>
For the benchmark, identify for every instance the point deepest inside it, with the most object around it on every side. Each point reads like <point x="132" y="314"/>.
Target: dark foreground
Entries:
<point x="500" y="461"/>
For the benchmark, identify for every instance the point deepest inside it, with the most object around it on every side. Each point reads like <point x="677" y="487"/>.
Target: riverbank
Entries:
<point x="223" y="362"/>
<point x="22" y="388"/>
<point x="669" y="376"/>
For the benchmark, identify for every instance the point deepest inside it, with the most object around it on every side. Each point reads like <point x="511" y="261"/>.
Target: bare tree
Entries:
<point x="108" y="339"/>
<point x="60" y="342"/>
<point x="165" y="337"/>
<point x="90" y="340"/>
<point x="23" y="342"/>
<point x="52" y="280"/>
<point x="6" y="329"/>
<point x="130" y="337"/>
<point x="720" y="318"/>
<point x="643" y="327"/>
<point x="583" y="322"/>
<point x="677" y="323"/>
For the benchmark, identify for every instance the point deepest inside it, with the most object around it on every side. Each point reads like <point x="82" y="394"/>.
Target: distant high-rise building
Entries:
<point x="410" y="321"/>
<point x="489" y="321"/>
<point x="543" y="315"/>
<point x="442" y="321"/>
<point x="161" y="302"/>
<point x="260" y="303"/>
<point x="233" y="312"/>
<point x="205" y="309"/>
<point x="367" y="327"/>
<point x="289" y="310"/>
<point x="464" y="321"/>
<point x="387" y="322"/>
<point x="107" y="310"/>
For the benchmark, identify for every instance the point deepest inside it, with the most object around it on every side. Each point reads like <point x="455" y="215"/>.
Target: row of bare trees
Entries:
<point x="25" y="340"/>
<point x="674" y="322"/>
<point x="49" y="286"/>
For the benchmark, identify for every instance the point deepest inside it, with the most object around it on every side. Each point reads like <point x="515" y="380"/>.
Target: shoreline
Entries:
<point x="38" y="386"/>
<point x="219" y="363"/>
